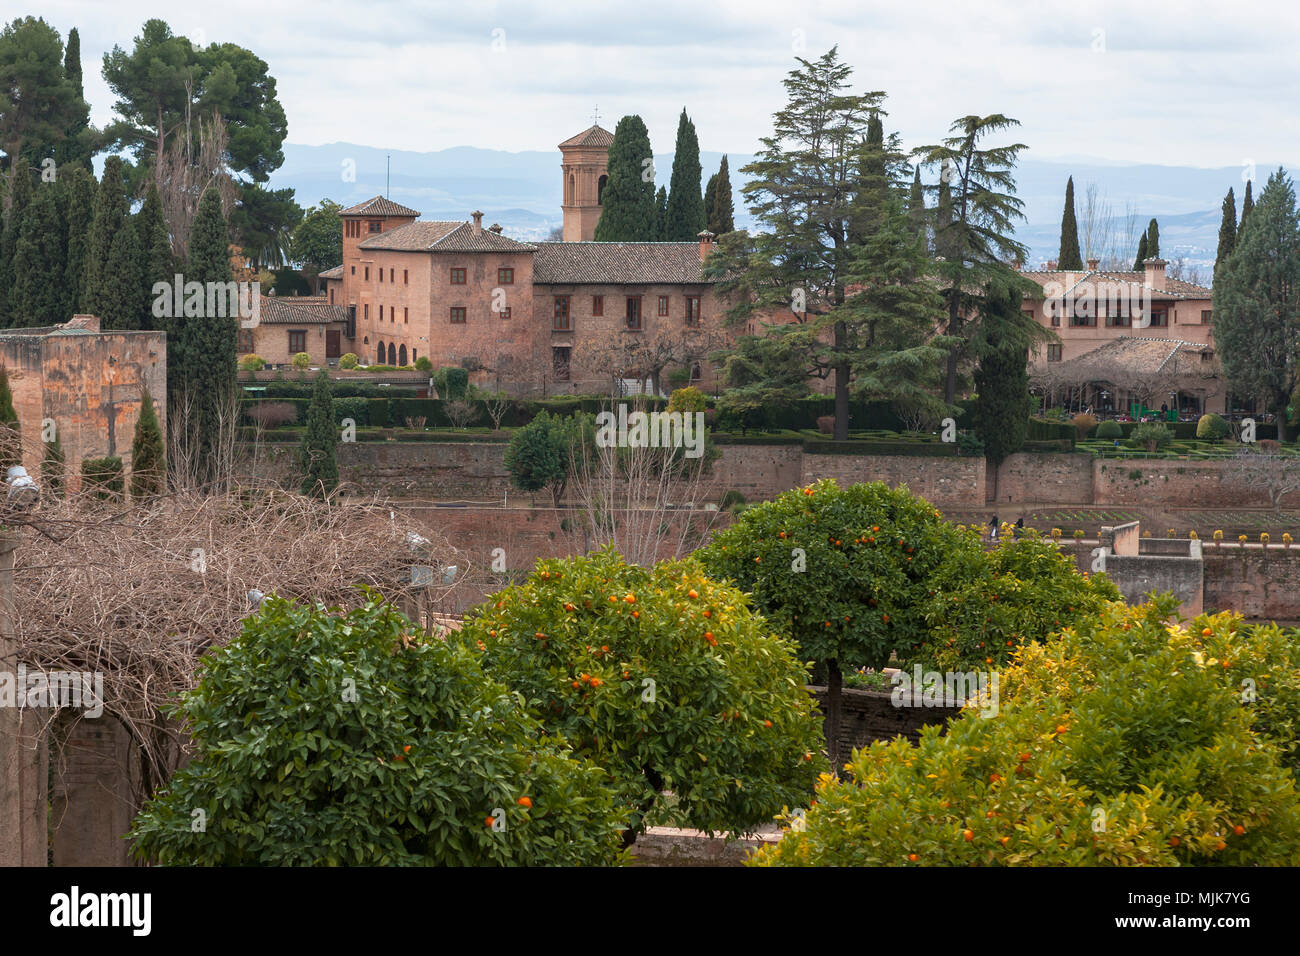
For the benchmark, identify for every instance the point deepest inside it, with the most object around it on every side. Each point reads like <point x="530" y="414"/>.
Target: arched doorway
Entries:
<point x="401" y="355"/>
<point x="382" y="355"/>
<point x="600" y="190"/>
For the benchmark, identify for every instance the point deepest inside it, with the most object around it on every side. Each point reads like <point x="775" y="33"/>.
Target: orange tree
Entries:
<point x="1125" y="741"/>
<point x="848" y="573"/>
<point x="664" y="678"/>
<point x="329" y="739"/>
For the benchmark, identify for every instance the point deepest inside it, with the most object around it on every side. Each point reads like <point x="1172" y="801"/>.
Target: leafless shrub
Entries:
<point x="272" y="414"/>
<point x="460" y="413"/>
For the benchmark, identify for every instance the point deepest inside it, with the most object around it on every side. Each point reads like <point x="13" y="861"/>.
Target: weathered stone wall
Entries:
<point x="1261" y="584"/>
<point x="941" y="481"/>
<point x="1036" y="477"/>
<point x="867" y="715"/>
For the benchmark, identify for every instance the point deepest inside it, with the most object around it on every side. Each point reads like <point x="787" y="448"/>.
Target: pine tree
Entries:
<point x="1153" y="240"/>
<point x="916" y="213"/>
<point x="53" y="467"/>
<point x="1247" y="204"/>
<point x="36" y="297"/>
<point x="121" y="301"/>
<point x="20" y="195"/>
<point x="722" y="214"/>
<point x="1069" y="259"/>
<point x="111" y="205"/>
<point x="661" y="215"/>
<point x="1227" y="230"/>
<point x="79" y="204"/>
<point x="317" y="455"/>
<point x="1141" y="253"/>
<point x="155" y="253"/>
<point x="204" y="384"/>
<point x="11" y="436"/>
<point x="148" y="464"/>
<point x="628" y="213"/>
<point x="685" y="219"/>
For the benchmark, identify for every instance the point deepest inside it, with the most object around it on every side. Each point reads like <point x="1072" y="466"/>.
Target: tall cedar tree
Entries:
<point x="20" y="195"/>
<point x="1002" y="373"/>
<point x="1227" y="230"/>
<point x="148" y="464"/>
<point x="804" y="190"/>
<point x="1069" y="259"/>
<point x="1153" y="240"/>
<point x="721" y="215"/>
<point x="1247" y="204"/>
<point x="916" y="212"/>
<point x="317" y="456"/>
<point x="685" y="219"/>
<point x="36" y="297"/>
<point x="121" y="300"/>
<point x="661" y="215"/>
<point x="11" y="436"/>
<point x="1256" y="313"/>
<point x="977" y="240"/>
<point x="206" y="375"/>
<point x="1141" y="253"/>
<point x="79" y="201"/>
<point x="154" y="240"/>
<point x="628" y="202"/>
<point x="111" y="207"/>
<point x="54" y="468"/>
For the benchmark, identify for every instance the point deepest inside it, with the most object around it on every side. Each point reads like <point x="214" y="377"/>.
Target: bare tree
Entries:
<point x="634" y="355"/>
<point x="1096" y="223"/>
<point x="497" y="405"/>
<point x="1269" y="468"/>
<point x="183" y="175"/>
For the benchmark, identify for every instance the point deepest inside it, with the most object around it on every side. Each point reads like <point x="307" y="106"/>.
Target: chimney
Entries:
<point x="495" y="227"/>
<point x="706" y="243"/>
<point x="478" y="222"/>
<point x="1155" y="273"/>
<point x="1051" y="265"/>
<point x="1093" y="264"/>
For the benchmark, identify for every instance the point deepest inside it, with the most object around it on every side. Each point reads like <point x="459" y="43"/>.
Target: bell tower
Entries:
<point x="584" y="162"/>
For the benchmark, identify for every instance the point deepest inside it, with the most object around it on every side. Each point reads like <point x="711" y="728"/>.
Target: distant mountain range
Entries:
<point x="521" y="191"/>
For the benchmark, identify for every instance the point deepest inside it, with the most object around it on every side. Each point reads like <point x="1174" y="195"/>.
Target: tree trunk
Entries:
<point x="841" y="386"/>
<point x="954" y="328"/>
<point x="834" y="684"/>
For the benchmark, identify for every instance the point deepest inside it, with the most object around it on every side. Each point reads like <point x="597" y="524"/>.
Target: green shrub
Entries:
<point x="103" y="478"/>
<point x="1110" y="430"/>
<point x="540" y="455"/>
<point x="1124" y="741"/>
<point x="1043" y="430"/>
<point x="1212" y="428"/>
<point x="302" y="360"/>
<point x="323" y="738"/>
<point x="348" y="360"/>
<point x="357" y="409"/>
<point x="689" y="399"/>
<point x="1150" y="436"/>
<point x="664" y="678"/>
<point x="252" y="363"/>
<point x="731" y="499"/>
<point x="423" y="364"/>
<point x="451" y="383"/>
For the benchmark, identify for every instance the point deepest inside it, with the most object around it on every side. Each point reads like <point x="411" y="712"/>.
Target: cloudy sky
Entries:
<point x="1178" y="82"/>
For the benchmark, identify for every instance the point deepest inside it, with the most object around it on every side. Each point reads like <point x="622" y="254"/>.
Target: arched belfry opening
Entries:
<point x="584" y="163"/>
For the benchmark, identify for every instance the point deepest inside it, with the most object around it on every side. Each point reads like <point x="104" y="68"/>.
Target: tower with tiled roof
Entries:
<point x="585" y="165"/>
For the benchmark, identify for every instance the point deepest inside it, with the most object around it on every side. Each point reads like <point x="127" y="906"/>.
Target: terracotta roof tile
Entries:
<point x="592" y="136"/>
<point x="335" y="273"/>
<point x="299" y="310"/>
<point x="443" y="237"/>
<point x="617" y="263"/>
<point x="1174" y="288"/>
<point x="378" y="206"/>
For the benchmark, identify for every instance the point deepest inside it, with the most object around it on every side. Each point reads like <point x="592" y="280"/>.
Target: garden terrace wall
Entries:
<point x="868" y="715"/>
<point x="1260" y="583"/>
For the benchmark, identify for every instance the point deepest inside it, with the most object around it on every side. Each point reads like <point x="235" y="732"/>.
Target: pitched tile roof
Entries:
<point x="378" y="206"/>
<point x="592" y="136"/>
<point x="335" y="273"/>
<point x="443" y="237"/>
<point x="1131" y="354"/>
<point x="299" y="310"/>
<point x="1174" y="288"/>
<point x="617" y="263"/>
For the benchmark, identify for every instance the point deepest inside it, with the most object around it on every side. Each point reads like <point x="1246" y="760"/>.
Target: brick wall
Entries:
<point x="1258" y="583"/>
<point x="1030" y="476"/>
<point x="941" y="481"/>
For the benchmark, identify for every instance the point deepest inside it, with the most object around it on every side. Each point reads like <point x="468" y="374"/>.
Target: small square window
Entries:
<point x="458" y="315"/>
<point x="457" y="276"/>
<point x="505" y="276"/>
<point x="505" y="313"/>
<point x="1054" y="353"/>
<point x="297" y="341"/>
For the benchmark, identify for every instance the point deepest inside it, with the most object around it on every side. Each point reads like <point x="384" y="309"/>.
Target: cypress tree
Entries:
<point x="1153" y="240"/>
<point x="76" y="147"/>
<point x="155" y="253"/>
<point x="629" y="199"/>
<point x="1141" y="253"/>
<point x="79" y="200"/>
<point x="121" y="301"/>
<point x="1069" y="259"/>
<point x="11" y="437"/>
<point x="317" y="457"/>
<point x="1002" y="377"/>
<point x="710" y="199"/>
<point x="53" y="467"/>
<point x="943" y="212"/>
<point x="1247" y="204"/>
<point x="722" y="217"/>
<point x="873" y="183"/>
<point x="20" y="196"/>
<point x="205" y="379"/>
<point x="148" y="462"/>
<point x="916" y="205"/>
<point x="111" y="207"/>
<point x="685" y="219"/>
<point x="661" y="215"/>
<point x="1227" y="229"/>
<point x="36" y="297"/>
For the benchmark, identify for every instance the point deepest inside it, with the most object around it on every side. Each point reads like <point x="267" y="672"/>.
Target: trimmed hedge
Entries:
<point x="1040" y="429"/>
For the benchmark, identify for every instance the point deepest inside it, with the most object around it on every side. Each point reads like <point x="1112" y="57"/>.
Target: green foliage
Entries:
<point x="301" y="360"/>
<point x="111" y="206"/>
<point x="1151" y="436"/>
<point x="318" y="239"/>
<point x="451" y="383"/>
<point x="1125" y="741"/>
<point x="689" y="399"/>
<point x="317" y="459"/>
<point x="628" y="202"/>
<point x="664" y="678"/>
<point x="423" y="363"/>
<point x="252" y="362"/>
<point x="1227" y="230"/>
<point x="720" y="212"/>
<point x="1069" y="258"/>
<point x="19" y="198"/>
<point x="326" y="739"/>
<point x="349" y="360"/>
<point x="1247" y="206"/>
<point x="661" y="214"/>
<point x="37" y="296"/>
<point x="103" y="478"/>
<point x="1002" y="376"/>
<point x="1208" y="428"/>
<point x="1142" y="253"/>
<point x="121" y="295"/>
<point x="43" y="113"/>
<point x="79" y="187"/>
<point x="540" y="455"/>
<point x="684" y="217"/>
<point x="1153" y="240"/>
<point x="1109" y="429"/>
<point x="148" y="464"/>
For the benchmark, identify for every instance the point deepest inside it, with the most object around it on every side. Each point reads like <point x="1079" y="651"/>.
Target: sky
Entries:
<point x="1177" y="82"/>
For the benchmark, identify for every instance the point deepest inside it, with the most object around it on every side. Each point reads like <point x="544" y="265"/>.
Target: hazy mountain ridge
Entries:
<point x="521" y="190"/>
